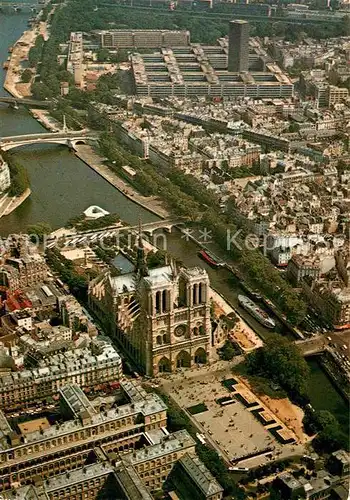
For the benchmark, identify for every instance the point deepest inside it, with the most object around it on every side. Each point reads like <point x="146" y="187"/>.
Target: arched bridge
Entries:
<point x="164" y="224"/>
<point x="69" y="139"/>
<point x="86" y="237"/>
<point x="313" y="346"/>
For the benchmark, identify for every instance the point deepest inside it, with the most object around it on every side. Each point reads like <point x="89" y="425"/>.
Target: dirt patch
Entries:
<point x="290" y="414"/>
<point x="23" y="89"/>
<point x="245" y="336"/>
<point x="240" y="335"/>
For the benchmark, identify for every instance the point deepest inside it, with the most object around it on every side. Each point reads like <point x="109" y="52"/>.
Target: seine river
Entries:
<point x="63" y="186"/>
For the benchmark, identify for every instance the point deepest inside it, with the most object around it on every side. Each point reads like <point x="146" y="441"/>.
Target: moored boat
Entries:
<point x="210" y="258"/>
<point x="256" y="311"/>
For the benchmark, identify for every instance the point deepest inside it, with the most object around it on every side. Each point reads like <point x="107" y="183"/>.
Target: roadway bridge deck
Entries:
<point x="323" y="17"/>
<point x="110" y="231"/>
<point x="20" y="5"/>
<point x="313" y="346"/>
<point x="24" y="102"/>
<point x="69" y="139"/>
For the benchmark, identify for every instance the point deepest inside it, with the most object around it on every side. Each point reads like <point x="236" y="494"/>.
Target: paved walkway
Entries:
<point x="9" y="204"/>
<point x="43" y="117"/>
<point x="93" y="160"/>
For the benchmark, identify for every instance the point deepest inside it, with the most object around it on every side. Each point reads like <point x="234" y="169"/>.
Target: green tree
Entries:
<point x="40" y="91"/>
<point x="329" y="435"/>
<point x="293" y="127"/>
<point x="280" y="361"/>
<point x="227" y="351"/>
<point x="18" y="174"/>
<point x="26" y="76"/>
<point x="39" y="230"/>
<point x="103" y="55"/>
<point x="77" y="283"/>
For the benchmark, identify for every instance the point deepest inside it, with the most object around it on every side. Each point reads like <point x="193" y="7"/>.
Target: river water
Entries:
<point x="63" y="186"/>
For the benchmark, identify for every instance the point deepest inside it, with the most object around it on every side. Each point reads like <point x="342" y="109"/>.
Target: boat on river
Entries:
<point x="210" y="258"/>
<point x="256" y="311"/>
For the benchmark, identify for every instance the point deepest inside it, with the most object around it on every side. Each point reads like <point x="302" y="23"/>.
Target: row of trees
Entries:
<point x="35" y="52"/>
<point x="329" y="436"/>
<point x="148" y="181"/>
<point x="212" y="27"/>
<point x="187" y="197"/>
<point x="19" y="175"/>
<point x="77" y="283"/>
<point x="82" y="224"/>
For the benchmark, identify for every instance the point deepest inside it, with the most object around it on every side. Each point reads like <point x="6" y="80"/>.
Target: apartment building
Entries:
<point x="22" y="264"/>
<point x="336" y="95"/>
<point x="143" y="38"/>
<point x="332" y="299"/>
<point x="96" y="364"/>
<point x="301" y="266"/>
<point x="65" y="446"/>
<point x="74" y="316"/>
<point x="75" y="57"/>
<point x="154" y="463"/>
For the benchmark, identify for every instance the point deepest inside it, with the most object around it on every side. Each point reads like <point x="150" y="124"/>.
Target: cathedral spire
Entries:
<point x="141" y="266"/>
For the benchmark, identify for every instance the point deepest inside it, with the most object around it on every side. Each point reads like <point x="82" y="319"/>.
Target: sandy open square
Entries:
<point x="232" y="428"/>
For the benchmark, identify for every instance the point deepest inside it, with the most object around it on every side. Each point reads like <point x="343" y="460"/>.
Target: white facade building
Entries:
<point x="5" y="180"/>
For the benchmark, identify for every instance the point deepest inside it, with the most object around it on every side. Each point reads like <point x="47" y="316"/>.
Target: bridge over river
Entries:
<point x="312" y="347"/>
<point x="86" y="237"/>
<point x="24" y="102"/>
<point x="70" y="139"/>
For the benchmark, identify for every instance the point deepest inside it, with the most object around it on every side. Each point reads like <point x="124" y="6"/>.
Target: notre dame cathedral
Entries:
<point x="161" y="316"/>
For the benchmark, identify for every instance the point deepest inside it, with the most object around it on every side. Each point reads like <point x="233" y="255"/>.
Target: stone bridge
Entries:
<point x="165" y="225"/>
<point x="69" y="139"/>
<point x="110" y="231"/>
<point x="313" y="346"/>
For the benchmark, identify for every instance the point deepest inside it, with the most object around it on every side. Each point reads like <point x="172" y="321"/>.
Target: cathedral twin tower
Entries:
<point x="160" y="316"/>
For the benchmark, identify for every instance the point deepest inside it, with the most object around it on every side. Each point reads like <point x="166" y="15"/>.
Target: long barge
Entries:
<point x="210" y="258"/>
<point x="257" y="313"/>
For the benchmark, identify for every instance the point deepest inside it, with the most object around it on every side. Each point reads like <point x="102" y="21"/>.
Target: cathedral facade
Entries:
<point x="161" y="316"/>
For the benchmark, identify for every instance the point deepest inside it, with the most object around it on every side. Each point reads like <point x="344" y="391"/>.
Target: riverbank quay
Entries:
<point x="19" y="55"/>
<point x="8" y="204"/>
<point x="93" y="160"/>
<point x="46" y="120"/>
<point x="295" y="331"/>
<point x="330" y="363"/>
